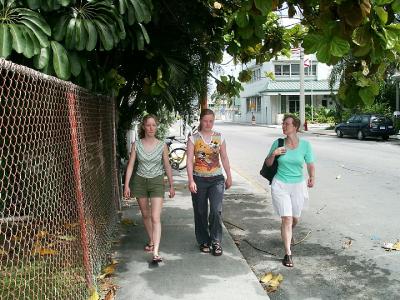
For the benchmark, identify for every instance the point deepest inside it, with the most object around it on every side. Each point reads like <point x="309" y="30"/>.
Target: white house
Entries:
<point x="269" y="99"/>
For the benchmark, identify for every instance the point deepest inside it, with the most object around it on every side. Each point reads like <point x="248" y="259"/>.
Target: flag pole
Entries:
<point x="302" y="111"/>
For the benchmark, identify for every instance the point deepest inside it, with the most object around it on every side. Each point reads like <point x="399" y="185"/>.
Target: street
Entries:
<point x="353" y="209"/>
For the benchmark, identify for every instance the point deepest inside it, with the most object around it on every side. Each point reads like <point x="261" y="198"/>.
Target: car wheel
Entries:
<point x="360" y="135"/>
<point x="339" y="133"/>
<point x="385" y="137"/>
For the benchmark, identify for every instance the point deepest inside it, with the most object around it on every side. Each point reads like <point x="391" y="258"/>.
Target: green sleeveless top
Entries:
<point x="150" y="163"/>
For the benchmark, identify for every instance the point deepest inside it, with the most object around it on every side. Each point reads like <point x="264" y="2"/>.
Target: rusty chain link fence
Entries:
<point x="59" y="191"/>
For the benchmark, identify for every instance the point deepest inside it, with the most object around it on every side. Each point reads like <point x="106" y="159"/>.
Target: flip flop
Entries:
<point x="149" y="247"/>
<point x="157" y="259"/>
<point x="287" y="261"/>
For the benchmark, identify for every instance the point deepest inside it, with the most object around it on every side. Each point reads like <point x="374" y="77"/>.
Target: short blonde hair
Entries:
<point x="295" y="120"/>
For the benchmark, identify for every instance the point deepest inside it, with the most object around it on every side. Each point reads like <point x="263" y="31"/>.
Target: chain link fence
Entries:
<point x="59" y="190"/>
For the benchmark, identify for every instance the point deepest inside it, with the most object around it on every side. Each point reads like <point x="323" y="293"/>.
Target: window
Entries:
<point x="278" y="69"/>
<point x="294" y="69"/>
<point x="253" y="104"/>
<point x="294" y="103"/>
<point x="286" y="70"/>
<point x="308" y="100"/>
<point x="324" y="102"/>
<point x="311" y="70"/>
<point x="283" y="104"/>
<point x="256" y="75"/>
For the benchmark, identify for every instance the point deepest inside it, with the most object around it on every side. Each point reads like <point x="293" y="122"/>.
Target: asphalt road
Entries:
<point x="353" y="209"/>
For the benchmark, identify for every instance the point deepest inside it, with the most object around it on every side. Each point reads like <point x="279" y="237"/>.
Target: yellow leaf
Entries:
<point x="128" y="221"/>
<point x="47" y="251"/>
<point x="68" y="238"/>
<point x="109" y="270"/>
<point x="41" y="234"/>
<point x="266" y="278"/>
<point x="93" y="294"/>
<point x="396" y="246"/>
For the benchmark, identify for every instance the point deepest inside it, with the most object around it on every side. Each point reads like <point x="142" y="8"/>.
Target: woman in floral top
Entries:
<point x="207" y="183"/>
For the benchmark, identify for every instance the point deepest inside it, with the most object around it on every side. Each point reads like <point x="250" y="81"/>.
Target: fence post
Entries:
<point x="117" y="198"/>
<point x="78" y="187"/>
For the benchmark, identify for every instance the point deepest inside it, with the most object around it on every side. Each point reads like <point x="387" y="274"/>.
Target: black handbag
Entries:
<point x="269" y="172"/>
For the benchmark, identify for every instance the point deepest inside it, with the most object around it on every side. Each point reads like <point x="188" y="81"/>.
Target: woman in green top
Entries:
<point x="148" y="180"/>
<point x="289" y="188"/>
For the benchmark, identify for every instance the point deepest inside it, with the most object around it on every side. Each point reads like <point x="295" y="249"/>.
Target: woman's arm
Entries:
<point x="168" y="171"/>
<point x="189" y="166"/>
<point x="311" y="174"/>
<point x="226" y="165"/>
<point x="129" y="170"/>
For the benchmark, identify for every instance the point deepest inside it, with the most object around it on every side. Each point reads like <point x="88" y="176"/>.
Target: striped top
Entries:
<point x="206" y="161"/>
<point x="150" y="163"/>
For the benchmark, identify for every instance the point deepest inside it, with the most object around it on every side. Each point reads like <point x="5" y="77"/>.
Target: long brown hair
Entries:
<point x="142" y="134"/>
<point x="205" y="112"/>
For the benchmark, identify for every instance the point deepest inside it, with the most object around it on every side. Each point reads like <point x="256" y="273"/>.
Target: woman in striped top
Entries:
<point x="148" y="180"/>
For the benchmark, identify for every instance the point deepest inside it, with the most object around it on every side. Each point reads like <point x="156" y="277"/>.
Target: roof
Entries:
<point x="311" y="86"/>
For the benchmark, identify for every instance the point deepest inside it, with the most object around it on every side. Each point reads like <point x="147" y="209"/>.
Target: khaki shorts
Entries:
<point x="142" y="187"/>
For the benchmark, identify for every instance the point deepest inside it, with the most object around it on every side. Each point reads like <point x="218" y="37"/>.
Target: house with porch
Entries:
<point x="269" y="99"/>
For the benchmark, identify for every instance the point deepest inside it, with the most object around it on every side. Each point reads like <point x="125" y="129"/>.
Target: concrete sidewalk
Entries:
<point x="186" y="273"/>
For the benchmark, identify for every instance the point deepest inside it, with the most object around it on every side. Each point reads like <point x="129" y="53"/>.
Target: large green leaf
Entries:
<point x="324" y="53"/>
<point x="382" y="14"/>
<point x="5" y="41"/>
<point x="29" y="49"/>
<point x="139" y="13"/>
<point x="91" y="35"/>
<point x="42" y="60"/>
<point x="36" y="45"/>
<point x="60" y="28"/>
<point x="246" y="32"/>
<point x="140" y="40"/>
<point x="339" y="47"/>
<point x="18" y="38"/>
<point x="145" y="34"/>
<point x="242" y="18"/>
<point x="81" y="35"/>
<point x="366" y="95"/>
<point x="33" y="4"/>
<point x="36" y="19"/>
<point x="41" y="36"/>
<point x="70" y="34"/>
<point x="264" y="6"/>
<point x="392" y="38"/>
<point x="396" y="6"/>
<point x="75" y="64"/>
<point x="105" y="34"/>
<point x="382" y="2"/>
<point x="312" y="43"/>
<point x="361" y="36"/>
<point x="60" y="61"/>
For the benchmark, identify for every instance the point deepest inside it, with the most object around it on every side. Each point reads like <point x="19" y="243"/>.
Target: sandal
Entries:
<point x="217" y="249"/>
<point x="157" y="259"/>
<point x="205" y="248"/>
<point x="149" y="247"/>
<point x="287" y="261"/>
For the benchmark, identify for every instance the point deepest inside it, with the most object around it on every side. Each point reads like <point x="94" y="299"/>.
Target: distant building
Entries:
<point x="269" y="99"/>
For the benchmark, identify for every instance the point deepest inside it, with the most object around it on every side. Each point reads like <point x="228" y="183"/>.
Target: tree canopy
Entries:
<point x="160" y="52"/>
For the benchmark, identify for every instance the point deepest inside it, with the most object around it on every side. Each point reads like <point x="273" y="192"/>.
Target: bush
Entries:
<point x="320" y="114"/>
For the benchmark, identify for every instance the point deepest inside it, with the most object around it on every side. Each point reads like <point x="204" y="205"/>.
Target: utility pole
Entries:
<point x="302" y="112"/>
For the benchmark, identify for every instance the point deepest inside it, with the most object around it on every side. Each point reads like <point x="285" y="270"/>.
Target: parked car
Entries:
<point x="363" y="125"/>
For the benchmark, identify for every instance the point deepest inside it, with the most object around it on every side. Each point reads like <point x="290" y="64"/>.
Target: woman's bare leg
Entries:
<point x="156" y="208"/>
<point x="146" y="215"/>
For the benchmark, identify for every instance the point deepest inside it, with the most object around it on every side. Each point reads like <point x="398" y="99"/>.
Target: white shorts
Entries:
<point x="288" y="199"/>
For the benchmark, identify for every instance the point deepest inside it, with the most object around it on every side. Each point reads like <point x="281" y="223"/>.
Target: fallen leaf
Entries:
<point x="266" y="278"/>
<point x="110" y="295"/>
<point x="347" y="244"/>
<point x="128" y="221"/>
<point x="71" y="225"/>
<point x="68" y="238"/>
<point x="396" y="246"/>
<point x="93" y="295"/>
<point x="41" y="234"/>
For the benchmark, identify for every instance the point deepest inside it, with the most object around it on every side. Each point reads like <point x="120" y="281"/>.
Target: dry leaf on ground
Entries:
<point x="347" y="244"/>
<point x="93" y="294"/>
<point x="128" y="222"/>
